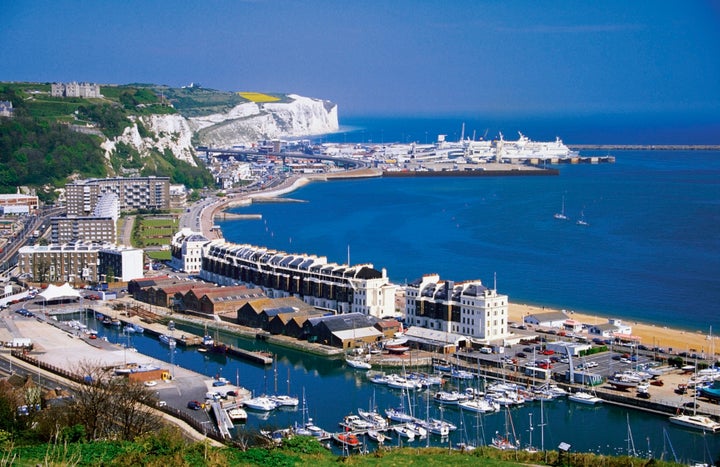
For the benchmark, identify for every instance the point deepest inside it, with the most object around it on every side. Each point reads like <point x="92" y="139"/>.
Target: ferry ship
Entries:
<point x="524" y="149"/>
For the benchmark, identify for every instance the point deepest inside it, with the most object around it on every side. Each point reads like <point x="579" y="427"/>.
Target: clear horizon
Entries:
<point x="421" y="58"/>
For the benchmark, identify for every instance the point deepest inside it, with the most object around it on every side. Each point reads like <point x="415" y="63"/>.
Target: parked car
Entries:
<point x="194" y="405"/>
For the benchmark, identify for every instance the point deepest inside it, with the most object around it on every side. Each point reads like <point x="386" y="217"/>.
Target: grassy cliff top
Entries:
<point x="135" y="98"/>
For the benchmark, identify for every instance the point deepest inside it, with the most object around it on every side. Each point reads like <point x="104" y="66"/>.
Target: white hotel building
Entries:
<point x="465" y="308"/>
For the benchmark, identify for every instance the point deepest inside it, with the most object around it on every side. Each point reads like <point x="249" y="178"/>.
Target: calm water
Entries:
<point x="579" y="129"/>
<point x="650" y="253"/>
<point x="333" y="391"/>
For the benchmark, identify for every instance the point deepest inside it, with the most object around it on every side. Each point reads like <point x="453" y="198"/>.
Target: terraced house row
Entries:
<point x="338" y="287"/>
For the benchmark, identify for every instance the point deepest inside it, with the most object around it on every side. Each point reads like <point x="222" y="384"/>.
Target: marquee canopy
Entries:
<point x="54" y="292"/>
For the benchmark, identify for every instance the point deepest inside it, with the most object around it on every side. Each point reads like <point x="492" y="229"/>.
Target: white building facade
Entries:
<point x="186" y="249"/>
<point x="467" y="308"/>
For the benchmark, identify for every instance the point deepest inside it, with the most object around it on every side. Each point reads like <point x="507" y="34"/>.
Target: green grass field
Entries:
<point x="153" y="231"/>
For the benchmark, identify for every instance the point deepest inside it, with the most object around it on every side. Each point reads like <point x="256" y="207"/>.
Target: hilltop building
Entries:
<point x="75" y="89"/>
<point x="133" y="193"/>
<point x="466" y="308"/>
<point x="6" y="109"/>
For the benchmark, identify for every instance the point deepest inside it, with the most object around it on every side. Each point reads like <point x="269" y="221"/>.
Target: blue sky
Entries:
<point x="402" y="57"/>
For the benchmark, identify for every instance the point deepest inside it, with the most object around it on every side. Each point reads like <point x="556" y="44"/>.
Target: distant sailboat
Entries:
<point x="582" y="220"/>
<point x="561" y="215"/>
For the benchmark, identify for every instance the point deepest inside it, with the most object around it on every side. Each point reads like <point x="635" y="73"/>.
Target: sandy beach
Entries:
<point x="650" y="334"/>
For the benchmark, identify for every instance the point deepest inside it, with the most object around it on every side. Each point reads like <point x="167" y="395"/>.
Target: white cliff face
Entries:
<point x="244" y="124"/>
<point x="168" y="132"/>
<point x="247" y="123"/>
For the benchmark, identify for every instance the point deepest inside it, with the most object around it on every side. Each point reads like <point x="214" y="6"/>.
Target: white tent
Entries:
<point x="54" y="292"/>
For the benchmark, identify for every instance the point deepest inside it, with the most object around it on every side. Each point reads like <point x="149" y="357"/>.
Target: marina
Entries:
<point x="347" y="391"/>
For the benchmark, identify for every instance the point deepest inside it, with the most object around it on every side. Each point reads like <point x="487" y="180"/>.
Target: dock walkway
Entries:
<point x="222" y="419"/>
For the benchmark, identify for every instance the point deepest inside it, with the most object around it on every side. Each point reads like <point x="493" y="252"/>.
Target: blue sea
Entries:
<point x="651" y="251"/>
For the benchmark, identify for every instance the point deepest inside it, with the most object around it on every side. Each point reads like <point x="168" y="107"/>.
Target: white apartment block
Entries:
<point x="465" y="308"/>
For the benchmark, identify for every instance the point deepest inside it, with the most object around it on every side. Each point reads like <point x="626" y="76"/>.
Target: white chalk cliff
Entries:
<point x="249" y="122"/>
<point x="244" y="124"/>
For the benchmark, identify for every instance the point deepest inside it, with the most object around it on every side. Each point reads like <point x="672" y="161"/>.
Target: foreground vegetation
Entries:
<point x="167" y="447"/>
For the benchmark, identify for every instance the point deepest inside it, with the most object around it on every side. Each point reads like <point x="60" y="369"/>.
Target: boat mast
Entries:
<point x="530" y="429"/>
<point x="542" y="428"/>
<point x="631" y="443"/>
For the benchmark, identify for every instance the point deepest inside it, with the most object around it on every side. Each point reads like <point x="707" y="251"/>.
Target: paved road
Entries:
<point x="127" y="223"/>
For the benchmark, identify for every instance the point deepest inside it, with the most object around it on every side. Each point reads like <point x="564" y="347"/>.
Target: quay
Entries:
<point x="158" y="326"/>
<point x="53" y="359"/>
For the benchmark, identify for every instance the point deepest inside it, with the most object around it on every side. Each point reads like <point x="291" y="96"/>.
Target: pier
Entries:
<point x="222" y="419"/>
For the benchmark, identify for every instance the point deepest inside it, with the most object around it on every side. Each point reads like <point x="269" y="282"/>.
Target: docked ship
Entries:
<point x="526" y="149"/>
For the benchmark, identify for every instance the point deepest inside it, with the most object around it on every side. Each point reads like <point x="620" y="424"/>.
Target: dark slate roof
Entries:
<point x="368" y="273"/>
<point x="348" y="321"/>
<point x="279" y="310"/>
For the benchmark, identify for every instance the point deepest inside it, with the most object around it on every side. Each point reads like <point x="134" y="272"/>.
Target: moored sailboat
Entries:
<point x="561" y="215"/>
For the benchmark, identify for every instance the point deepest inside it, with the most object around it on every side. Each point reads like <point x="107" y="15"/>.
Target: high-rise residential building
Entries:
<point x="133" y="193"/>
<point x="66" y="230"/>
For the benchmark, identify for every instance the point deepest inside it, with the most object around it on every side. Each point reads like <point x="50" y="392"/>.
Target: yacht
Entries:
<point x="697" y="422"/>
<point x="480" y="405"/>
<point x="582" y="220"/>
<point x="262" y="403"/>
<point x="358" y="363"/>
<point x="584" y="398"/>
